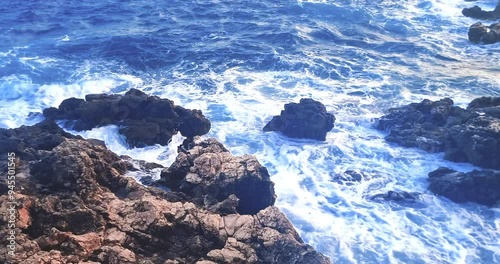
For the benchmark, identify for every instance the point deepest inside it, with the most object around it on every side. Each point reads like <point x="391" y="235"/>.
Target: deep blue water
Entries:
<point x="240" y="61"/>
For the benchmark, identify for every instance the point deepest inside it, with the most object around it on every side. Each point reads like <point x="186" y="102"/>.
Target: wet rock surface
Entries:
<point x="479" y="186"/>
<point x="210" y="174"/>
<point x="306" y="119"/>
<point x="143" y="120"/>
<point x="479" y="13"/>
<point x="73" y="204"/>
<point x="485" y="34"/>
<point x="465" y="135"/>
<point x="397" y="196"/>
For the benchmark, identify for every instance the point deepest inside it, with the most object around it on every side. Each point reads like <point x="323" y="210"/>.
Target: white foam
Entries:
<point x="164" y="155"/>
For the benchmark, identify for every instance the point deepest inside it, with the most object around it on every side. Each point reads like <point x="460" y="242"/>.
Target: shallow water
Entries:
<point x="240" y="62"/>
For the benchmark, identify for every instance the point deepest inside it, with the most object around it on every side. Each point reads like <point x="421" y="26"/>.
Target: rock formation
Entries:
<point x="477" y="12"/>
<point x="476" y="186"/>
<point x="143" y="120"/>
<point x="486" y="34"/>
<point x="212" y="176"/>
<point x="465" y="135"/>
<point x="73" y="204"/>
<point x="307" y="119"/>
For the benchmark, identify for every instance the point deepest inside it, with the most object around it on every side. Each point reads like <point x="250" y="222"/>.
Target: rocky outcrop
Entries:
<point x="476" y="186"/>
<point x="307" y="119"/>
<point x="479" y="13"/>
<point x="465" y="135"/>
<point x="73" y="204"/>
<point x="213" y="177"/>
<point x="143" y="120"/>
<point x="486" y="34"/>
<point x="397" y="196"/>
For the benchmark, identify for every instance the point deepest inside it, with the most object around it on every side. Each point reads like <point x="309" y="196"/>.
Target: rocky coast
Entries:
<point x="464" y="135"/>
<point x="74" y="202"/>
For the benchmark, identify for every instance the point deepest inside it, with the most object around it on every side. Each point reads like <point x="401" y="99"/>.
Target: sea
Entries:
<point x="240" y="61"/>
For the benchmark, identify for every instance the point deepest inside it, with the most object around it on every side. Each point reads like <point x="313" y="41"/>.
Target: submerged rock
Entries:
<point x="476" y="186"/>
<point x="143" y="120"/>
<point x="486" y="34"/>
<point x="210" y="174"/>
<point x="397" y="196"/>
<point x="465" y="135"/>
<point x="349" y="177"/>
<point x="73" y="205"/>
<point x="307" y="119"/>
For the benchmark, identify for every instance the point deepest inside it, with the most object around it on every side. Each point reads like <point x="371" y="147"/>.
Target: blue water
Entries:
<point x="240" y="61"/>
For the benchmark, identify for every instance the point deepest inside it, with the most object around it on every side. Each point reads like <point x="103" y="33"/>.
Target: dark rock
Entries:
<point x="397" y="196"/>
<point x="74" y="205"/>
<point x="146" y="180"/>
<point x="350" y="176"/>
<point x="476" y="186"/>
<point x="421" y="125"/>
<point x="307" y="119"/>
<point x="477" y="12"/>
<point x="45" y="135"/>
<point x="210" y="174"/>
<point x="143" y="120"/>
<point x="486" y="34"/>
<point x="477" y="141"/>
<point x="465" y="135"/>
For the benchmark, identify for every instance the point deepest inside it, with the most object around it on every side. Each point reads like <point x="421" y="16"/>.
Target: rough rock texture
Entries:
<point x="350" y="177"/>
<point x="307" y="119"/>
<point x="397" y="196"/>
<point x="476" y="186"/>
<point x="477" y="12"/>
<point x="143" y="120"/>
<point x="486" y="34"/>
<point x="210" y="174"/>
<point x="465" y="135"/>
<point x="73" y="205"/>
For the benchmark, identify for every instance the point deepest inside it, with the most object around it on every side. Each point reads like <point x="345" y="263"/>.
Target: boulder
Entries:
<point x="465" y="135"/>
<point x="74" y="204"/>
<point x="307" y="119"/>
<point x="208" y="173"/>
<point x="397" y="196"/>
<point x="478" y="186"/>
<point x="486" y="34"/>
<point x="143" y="120"/>
<point x="477" y="12"/>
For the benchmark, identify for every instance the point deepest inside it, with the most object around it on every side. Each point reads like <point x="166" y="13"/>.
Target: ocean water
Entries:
<point x="240" y="62"/>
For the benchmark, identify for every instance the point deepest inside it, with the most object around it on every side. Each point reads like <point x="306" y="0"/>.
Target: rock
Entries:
<point x="477" y="12"/>
<point x="350" y="176"/>
<point x="307" y="119"/>
<point x="143" y="120"/>
<point x="486" y="34"/>
<point x="397" y="196"/>
<point x="210" y="174"/>
<point x="74" y="205"/>
<point x="465" y="135"/>
<point x="477" y="141"/>
<point x="478" y="186"/>
<point x="43" y="136"/>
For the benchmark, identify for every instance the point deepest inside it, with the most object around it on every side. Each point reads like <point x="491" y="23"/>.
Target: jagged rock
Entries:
<point x="350" y="176"/>
<point x="476" y="186"/>
<point x="397" y="196"/>
<point x="143" y="120"/>
<point x="477" y="12"/>
<point x="486" y="34"/>
<point x="307" y="119"/>
<point x="74" y="205"/>
<point x="471" y="134"/>
<point x="209" y="173"/>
